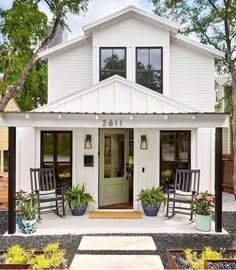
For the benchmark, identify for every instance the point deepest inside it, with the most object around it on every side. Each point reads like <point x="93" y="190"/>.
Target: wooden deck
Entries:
<point x="3" y="191"/>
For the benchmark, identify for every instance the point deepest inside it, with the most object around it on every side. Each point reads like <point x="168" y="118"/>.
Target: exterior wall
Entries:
<point x="116" y="95"/>
<point x="192" y="77"/>
<point x="69" y="71"/>
<point x="201" y="142"/>
<point x="25" y="156"/>
<point x="131" y="33"/>
<point x="206" y="158"/>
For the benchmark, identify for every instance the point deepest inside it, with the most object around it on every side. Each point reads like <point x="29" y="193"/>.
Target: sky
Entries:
<point x="96" y="10"/>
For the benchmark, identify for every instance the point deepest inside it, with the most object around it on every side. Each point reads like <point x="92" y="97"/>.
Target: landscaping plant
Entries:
<point x="203" y="203"/>
<point x="153" y="196"/>
<point x="51" y="257"/>
<point x="77" y="196"/>
<point x="196" y="260"/>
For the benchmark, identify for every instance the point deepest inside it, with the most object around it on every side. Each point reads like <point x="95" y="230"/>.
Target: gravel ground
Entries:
<point x="162" y="241"/>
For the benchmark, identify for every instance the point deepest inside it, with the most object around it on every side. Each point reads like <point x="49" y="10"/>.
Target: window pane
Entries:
<point x="143" y="78"/>
<point x="142" y="59"/>
<point x="63" y="147"/>
<point x="121" y="73"/>
<point x="119" y="59"/>
<point x="114" y="155"/>
<point x="106" y="54"/>
<point x="155" y="59"/>
<point x="113" y="61"/>
<point x="48" y="147"/>
<point x="155" y="80"/>
<point x="183" y="146"/>
<point x="175" y="154"/>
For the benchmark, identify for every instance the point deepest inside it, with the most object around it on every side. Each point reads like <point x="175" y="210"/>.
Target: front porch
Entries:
<point x="53" y="225"/>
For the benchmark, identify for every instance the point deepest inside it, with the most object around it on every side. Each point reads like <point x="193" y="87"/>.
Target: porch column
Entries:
<point x="11" y="180"/>
<point x="218" y="180"/>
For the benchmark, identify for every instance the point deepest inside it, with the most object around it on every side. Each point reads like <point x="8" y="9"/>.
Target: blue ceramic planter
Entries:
<point x="29" y="226"/>
<point x="19" y="221"/>
<point x="79" y="211"/>
<point x="151" y="211"/>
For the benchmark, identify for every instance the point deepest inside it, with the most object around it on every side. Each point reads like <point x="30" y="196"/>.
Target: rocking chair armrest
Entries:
<point x="169" y="191"/>
<point x="62" y="189"/>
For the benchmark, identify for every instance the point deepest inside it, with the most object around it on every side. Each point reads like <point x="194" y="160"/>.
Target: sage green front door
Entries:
<point x="113" y="182"/>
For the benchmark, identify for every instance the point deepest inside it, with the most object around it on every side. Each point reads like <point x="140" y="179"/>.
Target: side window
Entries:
<point x="112" y="62"/>
<point x="56" y="151"/>
<point x="175" y="154"/>
<point x="149" y="68"/>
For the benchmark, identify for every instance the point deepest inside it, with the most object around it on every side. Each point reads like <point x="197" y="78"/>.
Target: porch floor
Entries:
<point x="51" y="224"/>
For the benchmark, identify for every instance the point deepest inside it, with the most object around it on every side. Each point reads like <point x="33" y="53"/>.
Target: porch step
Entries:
<point x="117" y="243"/>
<point x="112" y="262"/>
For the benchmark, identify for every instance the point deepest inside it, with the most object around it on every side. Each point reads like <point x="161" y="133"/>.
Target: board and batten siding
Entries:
<point x="191" y="77"/>
<point x="131" y="33"/>
<point x="69" y="71"/>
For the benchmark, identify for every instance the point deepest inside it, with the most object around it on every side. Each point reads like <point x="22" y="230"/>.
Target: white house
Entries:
<point x="128" y="102"/>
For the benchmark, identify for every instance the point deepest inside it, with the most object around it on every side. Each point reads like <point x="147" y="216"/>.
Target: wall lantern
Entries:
<point x="88" y="142"/>
<point x="143" y="142"/>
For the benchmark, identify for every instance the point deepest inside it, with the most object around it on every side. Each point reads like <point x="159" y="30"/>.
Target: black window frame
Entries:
<point x="100" y="60"/>
<point x="54" y="151"/>
<point x="175" y="162"/>
<point x="136" y="67"/>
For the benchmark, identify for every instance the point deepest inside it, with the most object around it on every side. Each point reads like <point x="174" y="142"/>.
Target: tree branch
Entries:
<point x="210" y="42"/>
<point x="13" y="90"/>
<point x="214" y="6"/>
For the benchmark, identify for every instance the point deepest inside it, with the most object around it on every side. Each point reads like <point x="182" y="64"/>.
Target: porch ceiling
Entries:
<point x="114" y="120"/>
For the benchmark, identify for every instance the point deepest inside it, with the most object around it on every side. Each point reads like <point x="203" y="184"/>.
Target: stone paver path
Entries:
<point x="116" y="261"/>
<point x="112" y="262"/>
<point x="117" y="243"/>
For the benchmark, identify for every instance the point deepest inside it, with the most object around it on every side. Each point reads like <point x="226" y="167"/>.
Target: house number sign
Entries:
<point x="112" y="123"/>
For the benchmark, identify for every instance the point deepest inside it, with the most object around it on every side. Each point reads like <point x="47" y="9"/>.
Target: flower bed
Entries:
<point x="220" y="264"/>
<point x="177" y="257"/>
<point x="16" y="257"/>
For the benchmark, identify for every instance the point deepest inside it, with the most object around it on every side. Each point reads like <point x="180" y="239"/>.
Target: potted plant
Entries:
<point x="203" y="204"/>
<point x="19" y="202"/>
<point x="29" y="212"/>
<point x="151" y="200"/>
<point x="78" y="198"/>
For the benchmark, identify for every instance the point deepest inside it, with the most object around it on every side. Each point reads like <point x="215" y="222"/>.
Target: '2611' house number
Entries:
<point x="111" y="123"/>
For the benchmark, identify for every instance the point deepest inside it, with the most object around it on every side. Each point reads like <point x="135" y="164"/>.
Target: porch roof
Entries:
<point x="114" y="120"/>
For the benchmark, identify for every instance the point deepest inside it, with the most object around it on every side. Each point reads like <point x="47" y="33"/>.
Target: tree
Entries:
<point x="214" y="23"/>
<point x="24" y="33"/>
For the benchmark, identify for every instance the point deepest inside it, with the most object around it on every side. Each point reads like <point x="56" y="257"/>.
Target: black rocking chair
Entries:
<point x="186" y="184"/>
<point x="50" y="196"/>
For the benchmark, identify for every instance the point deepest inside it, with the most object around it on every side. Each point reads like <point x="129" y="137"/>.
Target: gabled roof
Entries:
<point x="132" y="11"/>
<point x="197" y="45"/>
<point x="117" y="95"/>
<point x="139" y="13"/>
<point x="63" y="46"/>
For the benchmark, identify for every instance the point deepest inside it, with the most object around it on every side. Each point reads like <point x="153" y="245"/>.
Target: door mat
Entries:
<point x="115" y="215"/>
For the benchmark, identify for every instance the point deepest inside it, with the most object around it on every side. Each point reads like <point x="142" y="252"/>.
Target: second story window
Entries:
<point x="149" y="68"/>
<point x="112" y="62"/>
